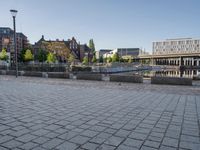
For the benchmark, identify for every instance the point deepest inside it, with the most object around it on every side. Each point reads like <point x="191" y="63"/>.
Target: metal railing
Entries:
<point x="38" y="67"/>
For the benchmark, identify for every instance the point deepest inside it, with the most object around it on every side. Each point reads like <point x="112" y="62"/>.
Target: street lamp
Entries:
<point x="14" y="13"/>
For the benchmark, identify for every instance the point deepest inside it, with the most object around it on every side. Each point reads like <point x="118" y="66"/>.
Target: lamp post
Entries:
<point x="14" y="13"/>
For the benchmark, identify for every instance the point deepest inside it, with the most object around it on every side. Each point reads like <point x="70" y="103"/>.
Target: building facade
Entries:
<point x="62" y="49"/>
<point x="7" y="41"/>
<point x="101" y="52"/>
<point x="124" y="52"/>
<point x="85" y="51"/>
<point x="175" y="52"/>
<point x="176" y="46"/>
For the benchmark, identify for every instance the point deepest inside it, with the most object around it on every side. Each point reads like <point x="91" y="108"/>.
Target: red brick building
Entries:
<point x="7" y="41"/>
<point x="62" y="48"/>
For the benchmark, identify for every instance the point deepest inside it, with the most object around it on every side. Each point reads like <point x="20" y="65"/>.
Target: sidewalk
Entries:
<point x="62" y="114"/>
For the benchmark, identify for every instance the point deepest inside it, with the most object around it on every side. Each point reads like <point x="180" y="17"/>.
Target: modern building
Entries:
<point x="101" y="52"/>
<point x="7" y="41"/>
<point x="124" y="52"/>
<point x="62" y="48"/>
<point x="175" y="52"/>
<point x="176" y="46"/>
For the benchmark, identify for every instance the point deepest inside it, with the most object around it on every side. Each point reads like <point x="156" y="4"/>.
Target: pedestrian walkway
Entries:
<point x="43" y="114"/>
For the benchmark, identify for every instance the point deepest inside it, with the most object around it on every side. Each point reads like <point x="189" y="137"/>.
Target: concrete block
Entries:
<point x="89" y="76"/>
<point x="171" y="80"/>
<point x="58" y="75"/>
<point x="127" y="78"/>
<point x="10" y="72"/>
<point x="32" y="74"/>
<point x="2" y="72"/>
<point x="44" y="74"/>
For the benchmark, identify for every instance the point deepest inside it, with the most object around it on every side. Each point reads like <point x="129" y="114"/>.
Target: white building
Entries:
<point x="176" y="46"/>
<point x="133" y="52"/>
<point x="101" y="52"/>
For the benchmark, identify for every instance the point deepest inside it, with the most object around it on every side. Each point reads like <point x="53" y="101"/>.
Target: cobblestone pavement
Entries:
<point x="43" y="114"/>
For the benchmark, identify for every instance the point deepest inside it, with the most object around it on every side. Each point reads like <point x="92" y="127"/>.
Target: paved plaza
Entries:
<point x="58" y="114"/>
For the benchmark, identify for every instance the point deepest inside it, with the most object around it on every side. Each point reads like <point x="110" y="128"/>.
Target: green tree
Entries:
<point x="51" y="58"/>
<point x="3" y="55"/>
<point x="42" y="55"/>
<point x="105" y="60"/>
<point x="71" y="58"/>
<point x="94" y="59"/>
<point x="21" y="55"/>
<point x="115" y="57"/>
<point x="109" y="59"/>
<point x="121" y="59"/>
<point x="101" y="59"/>
<point x="92" y="45"/>
<point x="85" y="60"/>
<point x="28" y="56"/>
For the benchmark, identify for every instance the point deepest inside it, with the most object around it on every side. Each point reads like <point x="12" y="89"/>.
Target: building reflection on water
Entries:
<point x="173" y="73"/>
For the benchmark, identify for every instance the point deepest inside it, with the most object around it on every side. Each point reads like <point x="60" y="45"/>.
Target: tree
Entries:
<point x="115" y="57"/>
<point x="71" y="58"/>
<point x="101" y="59"/>
<point x="42" y="55"/>
<point x="109" y="59"/>
<point x="85" y="60"/>
<point x="51" y="58"/>
<point x="91" y="45"/>
<point x="94" y="59"/>
<point x="3" y="55"/>
<point x="28" y="56"/>
<point x="105" y="60"/>
<point x="121" y="59"/>
<point x="21" y="56"/>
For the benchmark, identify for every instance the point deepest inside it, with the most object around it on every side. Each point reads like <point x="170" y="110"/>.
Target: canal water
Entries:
<point x="172" y="73"/>
<point x="150" y="71"/>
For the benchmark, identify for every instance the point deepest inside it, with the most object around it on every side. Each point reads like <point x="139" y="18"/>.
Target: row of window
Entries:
<point x="176" y="46"/>
<point x="172" y="52"/>
<point x="73" y="45"/>
<point x="179" y="48"/>
<point x="176" y="42"/>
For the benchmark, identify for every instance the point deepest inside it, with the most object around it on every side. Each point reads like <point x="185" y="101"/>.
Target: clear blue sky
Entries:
<point x="111" y="23"/>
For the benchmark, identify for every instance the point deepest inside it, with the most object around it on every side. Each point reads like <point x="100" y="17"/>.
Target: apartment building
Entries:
<point x="176" y="46"/>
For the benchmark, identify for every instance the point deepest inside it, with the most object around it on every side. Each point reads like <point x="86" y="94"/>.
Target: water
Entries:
<point x="172" y="73"/>
<point x="148" y="71"/>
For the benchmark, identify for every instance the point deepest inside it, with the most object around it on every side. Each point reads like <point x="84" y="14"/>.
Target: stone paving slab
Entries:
<point x="43" y="114"/>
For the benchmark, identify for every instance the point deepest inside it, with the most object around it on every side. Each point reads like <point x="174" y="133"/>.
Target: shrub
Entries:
<point x="3" y="55"/>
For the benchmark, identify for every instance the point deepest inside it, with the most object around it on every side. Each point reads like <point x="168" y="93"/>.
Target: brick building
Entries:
<point x="7" y="41"/>
<point x="62" y="48"/>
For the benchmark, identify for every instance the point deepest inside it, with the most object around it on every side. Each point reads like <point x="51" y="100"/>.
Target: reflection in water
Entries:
<point x="173" y="73"/>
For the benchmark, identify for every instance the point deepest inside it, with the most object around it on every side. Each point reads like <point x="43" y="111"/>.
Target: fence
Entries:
<point x="38" y="67"/>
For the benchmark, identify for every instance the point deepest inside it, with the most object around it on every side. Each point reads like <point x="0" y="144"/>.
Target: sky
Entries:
<point x="110" y="23"/>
